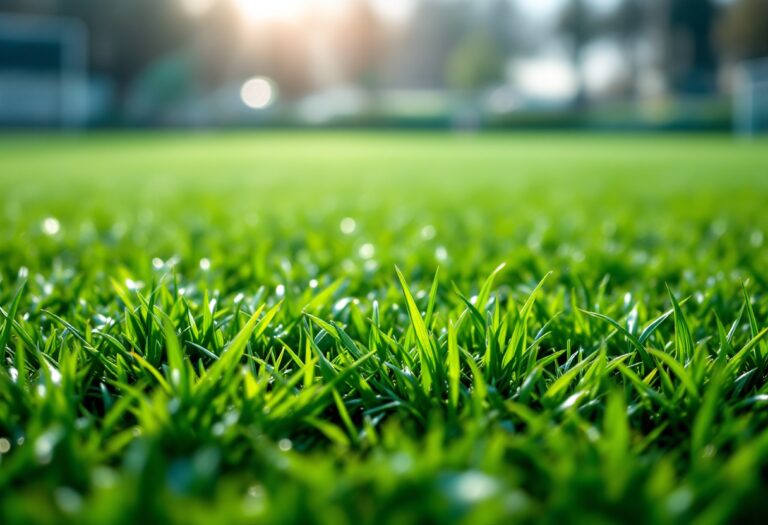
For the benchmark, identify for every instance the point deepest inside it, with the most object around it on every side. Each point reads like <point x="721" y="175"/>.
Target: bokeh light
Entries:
<point x="258" y="93"/>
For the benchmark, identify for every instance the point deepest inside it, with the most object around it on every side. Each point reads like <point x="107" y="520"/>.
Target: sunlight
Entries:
<point x="397" y="11"/>
<point x="271" y="10"/>
<point x="196" y="7"/>
<point x="282" y="10"/>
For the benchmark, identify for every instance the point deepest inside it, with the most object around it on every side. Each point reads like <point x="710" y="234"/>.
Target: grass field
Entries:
<point x="383" y="328"/>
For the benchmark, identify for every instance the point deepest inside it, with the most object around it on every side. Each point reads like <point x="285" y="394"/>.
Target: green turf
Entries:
<point x="213" y="329"/>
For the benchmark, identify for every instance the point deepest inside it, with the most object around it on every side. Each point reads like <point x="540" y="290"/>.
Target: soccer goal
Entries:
<point x="751" y="98"/>
<point x="42" y="71"/>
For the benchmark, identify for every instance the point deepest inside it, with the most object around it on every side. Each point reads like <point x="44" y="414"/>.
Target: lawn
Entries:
<point x="350" y="328"/>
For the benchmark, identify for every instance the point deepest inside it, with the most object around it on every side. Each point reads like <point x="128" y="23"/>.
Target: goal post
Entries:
<point x="751" y="98"/>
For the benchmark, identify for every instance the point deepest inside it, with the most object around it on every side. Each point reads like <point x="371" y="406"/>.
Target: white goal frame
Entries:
<point x="751" y="98"/>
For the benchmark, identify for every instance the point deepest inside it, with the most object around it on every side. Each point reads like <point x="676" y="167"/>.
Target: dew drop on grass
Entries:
<point x="51" y="226"/>
<point x="255" y="491"/>
<point x="341" y="304"/>
<point x="441" y="253"/>
<point x="679" y="501"/>
<point x="157" y="263"/>
<point x="401" y="463"/>
<point x="471" y="487"/>
<point x="134" y="285"/>
<point x="232" y="416"/>
<point x="55" y="375"/>
<point x="285" y="444"/>
<point x="68" y="500"/>
<point x="205" y="264"/>
<point x="280" y="291"/>
<point x="119" y="229"/>
<point x="5" y="445"/>
<point x="176" y="376"/>
<point x="367" y="251"/>
<point x="428" y="232"/>
<point x="254" y="500"/>
<point x="104" y="477"/>
<point x="572" y="400"/>
<point x="348" y="225"/>
<point x="313" y="283"/>
<point x="534" y="241"/>
<point x="44" y="447"/>
<point x="627" y="299"/>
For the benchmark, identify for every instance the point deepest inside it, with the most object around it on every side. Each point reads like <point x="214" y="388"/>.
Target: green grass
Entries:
<point x="252" y="328"/>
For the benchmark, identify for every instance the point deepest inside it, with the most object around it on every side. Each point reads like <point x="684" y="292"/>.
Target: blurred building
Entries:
<point x="43" y="71"/>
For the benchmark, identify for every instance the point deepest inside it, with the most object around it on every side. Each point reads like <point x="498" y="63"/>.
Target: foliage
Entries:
<point x="475" y="64"/>
<point x="743" y="31"/>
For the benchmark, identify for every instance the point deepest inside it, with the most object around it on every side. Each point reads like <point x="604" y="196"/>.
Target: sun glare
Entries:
<point x="394" y="10"/>
<point x="271" y="10"/>
<point x="281" y="10"/>
<point x="196" y="7"/>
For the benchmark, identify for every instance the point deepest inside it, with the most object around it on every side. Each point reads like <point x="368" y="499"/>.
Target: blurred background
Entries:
<point x="459" y="64"/>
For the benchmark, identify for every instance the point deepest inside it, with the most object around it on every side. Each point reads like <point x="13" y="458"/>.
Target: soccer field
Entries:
<point x="338" y="327"/>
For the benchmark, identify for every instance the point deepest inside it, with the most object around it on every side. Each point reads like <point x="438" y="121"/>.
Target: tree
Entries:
<point x="476" y="63"/>
<point x="690" y="54"/>
<point x="503" y="22"/>
<point x="743" y="31"/>
<point x="360" y="43"/>
<point x="125" y="36"/>
<point x="628" y="26"/>
<point x="578" y="26"/>
<point x="427" y="44"/>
